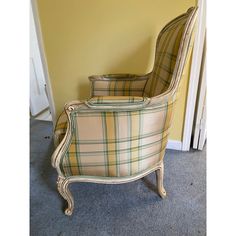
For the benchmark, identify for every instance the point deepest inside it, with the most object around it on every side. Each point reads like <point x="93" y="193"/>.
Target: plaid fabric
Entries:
<point x="61" y="126"/>
<point x="118" y="85"/>
<point x="167" y="49"/>
<point x="115" y="100"/>
<point x="116" y="143"/>
<point x="113" y="142"/>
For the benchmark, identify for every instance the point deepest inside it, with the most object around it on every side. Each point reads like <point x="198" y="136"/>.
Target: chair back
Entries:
<point x="172" y="47"/>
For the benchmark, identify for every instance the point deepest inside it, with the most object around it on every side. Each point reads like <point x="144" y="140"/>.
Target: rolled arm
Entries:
<point x="114" y="102"/>
<point x="118" y="84"/>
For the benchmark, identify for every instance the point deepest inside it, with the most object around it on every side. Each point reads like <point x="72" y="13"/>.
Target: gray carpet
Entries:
<point x="127" y="209"/>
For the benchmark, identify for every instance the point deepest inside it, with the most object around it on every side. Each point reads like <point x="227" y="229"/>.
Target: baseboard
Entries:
<point x="174" y="144"/>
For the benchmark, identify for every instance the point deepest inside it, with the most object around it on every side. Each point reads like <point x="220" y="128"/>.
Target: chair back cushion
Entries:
<point x="167" y="50"/>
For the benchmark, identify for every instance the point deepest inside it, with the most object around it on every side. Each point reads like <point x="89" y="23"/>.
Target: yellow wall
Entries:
<point x="84" y="37"/>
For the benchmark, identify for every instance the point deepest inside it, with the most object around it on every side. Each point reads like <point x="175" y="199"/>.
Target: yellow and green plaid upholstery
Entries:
<point x="61" y="126"/>
<point x="167" y="49"/>
<point x="103" y="100"/>
<point x="116" y="143"/>
<point x="117" y="101"/>
<point x="118" y="85"/>
<point x="110" y="134"/>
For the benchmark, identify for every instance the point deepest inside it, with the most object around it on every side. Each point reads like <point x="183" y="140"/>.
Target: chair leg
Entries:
<point x="62" y="186"/>
<point x="159" y="176"/>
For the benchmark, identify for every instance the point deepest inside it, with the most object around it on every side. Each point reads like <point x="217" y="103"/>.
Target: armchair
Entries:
<point x="120" y="133"/>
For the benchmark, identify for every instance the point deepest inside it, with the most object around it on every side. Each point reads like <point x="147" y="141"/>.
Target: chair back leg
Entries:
<point x="159" y="176"/>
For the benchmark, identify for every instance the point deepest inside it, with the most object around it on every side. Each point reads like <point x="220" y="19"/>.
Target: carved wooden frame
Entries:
<point x="63" y="184"/>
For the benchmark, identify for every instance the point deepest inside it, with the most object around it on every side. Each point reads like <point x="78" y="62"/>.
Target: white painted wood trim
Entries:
<point x="174" y="145"/>
<point x="200" y="108"/>
<point x="44" y="61"/>
<point x="203" y="132"/>
<point x="194" y="75"/>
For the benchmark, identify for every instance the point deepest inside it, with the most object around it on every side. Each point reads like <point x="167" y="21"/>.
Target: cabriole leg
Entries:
<point x="62" y="186"/>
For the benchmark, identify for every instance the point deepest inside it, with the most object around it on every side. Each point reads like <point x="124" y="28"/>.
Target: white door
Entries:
<point x="38" y="98"/>
<point x="200" y="119"/>
<point x="194" y="75"/>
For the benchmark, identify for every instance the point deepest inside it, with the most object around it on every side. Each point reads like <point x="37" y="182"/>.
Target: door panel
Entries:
<point x="38" y="98"/>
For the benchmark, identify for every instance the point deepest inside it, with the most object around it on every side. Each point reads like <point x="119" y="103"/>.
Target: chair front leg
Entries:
<point x="159" y="177"/>
<point x="62" y="186"/>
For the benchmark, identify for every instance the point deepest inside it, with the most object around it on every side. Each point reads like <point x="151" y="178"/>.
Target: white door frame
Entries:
<point x="44" y="60"/>
<point x="200" y="123"/>
<point x="194" y="74"/>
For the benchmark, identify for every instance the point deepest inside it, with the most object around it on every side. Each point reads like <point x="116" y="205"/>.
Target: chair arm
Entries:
<point x="118" y="84"/>
<point x="115" y="77"/>
<point x="117" y="102"/>
<point x="139" y="135"/>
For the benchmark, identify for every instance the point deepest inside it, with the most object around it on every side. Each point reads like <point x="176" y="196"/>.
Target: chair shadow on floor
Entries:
<point x="149" y="184"/>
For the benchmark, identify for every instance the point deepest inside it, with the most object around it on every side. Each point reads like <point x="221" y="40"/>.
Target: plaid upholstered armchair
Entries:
<point x="120" y="134"/>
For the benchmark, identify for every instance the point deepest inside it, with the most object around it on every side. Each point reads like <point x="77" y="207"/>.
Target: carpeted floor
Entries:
<point x="130" y="209"/>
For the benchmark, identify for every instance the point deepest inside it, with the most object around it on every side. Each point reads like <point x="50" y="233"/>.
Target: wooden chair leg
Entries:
<point x="159" y="176"/>
<point x="62" y="186"/>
